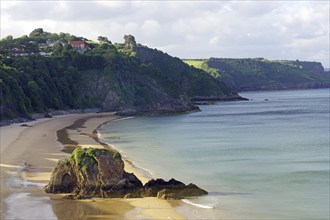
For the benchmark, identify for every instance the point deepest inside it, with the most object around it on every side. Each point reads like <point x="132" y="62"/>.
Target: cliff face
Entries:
<point x="38" y="84"/>
<point x="128" y="78"/>
<point x="100" y="173"/>
<point x="133" y="90"/>
<point x="192" y="81"/>
<point x="261" y="74"/>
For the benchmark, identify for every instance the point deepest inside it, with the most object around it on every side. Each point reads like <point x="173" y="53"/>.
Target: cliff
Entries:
<point x="262" y="74"/>
<point x="192" y="81"/>
<point x="128" y="78"/>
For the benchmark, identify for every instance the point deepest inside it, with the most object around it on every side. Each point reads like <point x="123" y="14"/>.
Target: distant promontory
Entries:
<point x="263" y="74"/>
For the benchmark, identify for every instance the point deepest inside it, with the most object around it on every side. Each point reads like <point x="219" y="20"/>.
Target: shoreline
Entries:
<point x="30" y="153"/>
<point x="143" y="174"/>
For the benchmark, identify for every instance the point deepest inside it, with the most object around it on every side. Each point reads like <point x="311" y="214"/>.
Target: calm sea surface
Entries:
<point x="266" y="158"/>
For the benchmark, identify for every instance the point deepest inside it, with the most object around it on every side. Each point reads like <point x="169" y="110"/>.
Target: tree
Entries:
<point x="68" y="50"/>
<point x="5" y="45"/>
<point x="130" y="42"/>
<point x="36" y="33"/>
<point x="8" y="38"/>
<point x="103" y="40"/>
<point x="57" y="49"/>
<point x="35" y="95"/>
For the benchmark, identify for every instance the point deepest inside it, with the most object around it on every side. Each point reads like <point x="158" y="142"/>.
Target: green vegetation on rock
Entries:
<point x="188" y="79"/>
<point x="44" y="72"/>
<point x="79" y="176"/>
<point x="263" y="74"/>
<point x="84" y="158"/>
<point x="117" y="155"/>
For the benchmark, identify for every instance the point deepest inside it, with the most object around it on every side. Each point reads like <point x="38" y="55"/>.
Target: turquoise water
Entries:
<point x="258" y="159"/>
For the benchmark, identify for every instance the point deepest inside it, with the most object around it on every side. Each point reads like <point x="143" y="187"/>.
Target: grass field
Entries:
<point x="195" y="63"/>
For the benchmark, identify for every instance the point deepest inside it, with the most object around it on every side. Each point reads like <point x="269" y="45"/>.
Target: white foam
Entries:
<point x="197" y="205"/>
<point x="147" y="173"/>
<point x="120" y="119"/>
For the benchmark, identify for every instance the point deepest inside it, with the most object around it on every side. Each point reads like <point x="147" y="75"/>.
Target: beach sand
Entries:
<point x="28" y="155"/>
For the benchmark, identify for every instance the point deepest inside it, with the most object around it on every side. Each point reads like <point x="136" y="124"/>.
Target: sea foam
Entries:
<point x="197" y="205"/>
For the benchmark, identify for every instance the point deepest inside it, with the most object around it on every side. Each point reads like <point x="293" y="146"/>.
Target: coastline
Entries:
<point x="28" y="155"/>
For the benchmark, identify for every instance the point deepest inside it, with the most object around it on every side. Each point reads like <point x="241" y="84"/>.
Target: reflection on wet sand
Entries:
<point x="89" y="209"/>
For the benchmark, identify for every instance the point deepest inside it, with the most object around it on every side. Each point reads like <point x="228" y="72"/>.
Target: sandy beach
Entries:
<point x="28" y="155"/>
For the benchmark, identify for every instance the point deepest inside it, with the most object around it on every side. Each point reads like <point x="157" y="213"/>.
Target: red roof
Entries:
<point x="76" y="42"/>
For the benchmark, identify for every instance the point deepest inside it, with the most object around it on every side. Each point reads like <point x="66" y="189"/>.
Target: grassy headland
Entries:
<point x="48" y="71"/>
<point x="263" y="74"/>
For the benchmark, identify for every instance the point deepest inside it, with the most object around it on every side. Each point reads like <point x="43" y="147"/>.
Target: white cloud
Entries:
<point x="213" y="40"/>
<point x="195" y="29"/>
<point x="151" y="26"/>
<point x="113" y="4"/>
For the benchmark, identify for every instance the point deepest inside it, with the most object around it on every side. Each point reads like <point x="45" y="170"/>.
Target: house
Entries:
<point x="45" y="53"/>
<point x="78" y="44"/>
<point x="18" y="52"/>
<point x="49" y="41"/>
<point x="42" y="46"/>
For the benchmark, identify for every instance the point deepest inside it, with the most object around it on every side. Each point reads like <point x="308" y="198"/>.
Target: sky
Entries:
<point x="276" y="30"/>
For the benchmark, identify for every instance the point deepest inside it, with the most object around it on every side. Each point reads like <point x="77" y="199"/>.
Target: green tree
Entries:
<point x="5" y="45"/>
<point x="103" y="40"/>
<point x="36" y="33"/>
<point x="57" y="49"/>
<point x="130" y="42"/>
<point x="35" y="95"/>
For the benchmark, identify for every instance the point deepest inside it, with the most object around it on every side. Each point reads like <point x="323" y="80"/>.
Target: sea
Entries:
<point x="266" y="158"/>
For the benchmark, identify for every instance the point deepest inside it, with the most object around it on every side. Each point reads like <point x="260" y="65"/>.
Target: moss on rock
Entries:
<point x="92" y="172"/>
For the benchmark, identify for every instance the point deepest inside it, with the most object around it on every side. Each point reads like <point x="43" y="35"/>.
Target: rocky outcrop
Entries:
<point x="91" y="173"/>
<point x="224" y="98"/>
<point x="100" y="173"/>
<point x="171" y="189"/>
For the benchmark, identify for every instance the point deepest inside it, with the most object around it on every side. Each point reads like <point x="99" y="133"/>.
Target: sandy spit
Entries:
<point x="28" y="155"/>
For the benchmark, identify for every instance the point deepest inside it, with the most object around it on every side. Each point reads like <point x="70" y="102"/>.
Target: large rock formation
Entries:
<point x="93" y="173"/>
<point x="100" y="173"/>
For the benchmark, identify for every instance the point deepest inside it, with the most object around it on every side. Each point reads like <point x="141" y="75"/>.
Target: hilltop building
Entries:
<point x="78" y="44"/>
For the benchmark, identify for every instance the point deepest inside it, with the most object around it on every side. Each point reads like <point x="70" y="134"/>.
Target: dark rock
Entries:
<point x="91" y="173"/>
<point x="172" y="189"/>
<point x="167" y="194"/>
<point x="48" y="115"/>
<point x="224" y="98"/>
<point x="6" y="122"/>
<point x="100" y="173"/>
<point x="190" y="190"/>
<point x="154" y="186"/>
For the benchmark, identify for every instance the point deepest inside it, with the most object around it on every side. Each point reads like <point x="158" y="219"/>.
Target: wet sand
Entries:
<point x="28" y="155"/>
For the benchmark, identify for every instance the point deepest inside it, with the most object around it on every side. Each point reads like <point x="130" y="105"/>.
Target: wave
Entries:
<point x="146" y="173"/>
<point x="197" y="205"/>
<point x="121" y="119"/>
